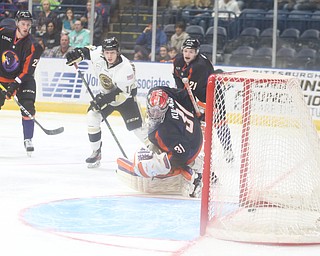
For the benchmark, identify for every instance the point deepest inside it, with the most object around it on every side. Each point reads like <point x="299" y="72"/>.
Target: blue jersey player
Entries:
<point x="171" y="163"/>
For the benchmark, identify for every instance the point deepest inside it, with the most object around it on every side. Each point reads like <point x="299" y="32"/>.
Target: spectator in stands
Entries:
<point x="139" y="56"/>
<point x="61" y="50"/>
<point x="144" y="41"/>
<point x="53" y="4"/>
<point x="103" y="8"/>
<point x="178" y="38"/>
<point x="68" y="21"/>
<point x="172" y="52"/>
<point x="44" y="17"/>
<point x="286" y="4"/>
<point x="22" y="4"/>
<point x="51" y="37"/>
<point x="198" y="14"/>
<point x="252" y="4"/>
<point x="204" y="3"/>
<point x="316" y="4"/>
<point x="163" y="55"/>
<point x="8" y="9"/>
<point x="230" y="11"/>
<point x="79" y="37"/>
<point x="229" y="6"/>
<point x="305" y="5"/>
<point x="78" y="6"/>
<point x="9" y="23"/>
<point x="40" y="41"/>
<point x="97" y="26"/>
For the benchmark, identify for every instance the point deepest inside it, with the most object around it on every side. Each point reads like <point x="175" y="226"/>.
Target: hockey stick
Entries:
<point x="48" y="132"/>
<point x="185" y="81"/>
<point x="103" y="116"/>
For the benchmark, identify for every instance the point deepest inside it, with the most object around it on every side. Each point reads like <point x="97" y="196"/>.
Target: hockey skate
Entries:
<point x="94" y="160"/>
<point x="28" y="146"/>
<point x="229" y="156"/>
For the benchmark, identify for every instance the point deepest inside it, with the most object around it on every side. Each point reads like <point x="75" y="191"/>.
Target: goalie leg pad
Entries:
<point x="159" y="185"/>
<point x="177" y="182"/>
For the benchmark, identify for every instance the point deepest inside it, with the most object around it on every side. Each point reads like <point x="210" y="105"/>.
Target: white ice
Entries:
<point x="56" y="171"/>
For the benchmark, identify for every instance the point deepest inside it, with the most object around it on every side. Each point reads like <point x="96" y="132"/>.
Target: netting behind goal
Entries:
<point x="262" y="161"/>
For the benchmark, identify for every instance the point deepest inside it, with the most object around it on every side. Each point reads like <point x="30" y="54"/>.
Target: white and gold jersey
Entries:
<point x="121" y="75"/>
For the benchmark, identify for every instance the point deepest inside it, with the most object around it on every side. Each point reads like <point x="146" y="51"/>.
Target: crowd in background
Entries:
<point x="172" y="44"/>
<point x="55" y="18"/>
<point x="62" y="26"/>
<point x="166" y="48"/>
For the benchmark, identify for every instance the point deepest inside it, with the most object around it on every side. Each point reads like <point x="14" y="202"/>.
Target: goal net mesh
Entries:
<point x="262" y="161"/>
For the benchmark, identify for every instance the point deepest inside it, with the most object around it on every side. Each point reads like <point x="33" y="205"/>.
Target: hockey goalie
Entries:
<point x="171" y="164"/>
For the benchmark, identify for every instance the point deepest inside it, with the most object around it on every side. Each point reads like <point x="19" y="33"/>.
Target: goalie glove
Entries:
<point x="148" y="164"/>
<point x="74" y="56"/>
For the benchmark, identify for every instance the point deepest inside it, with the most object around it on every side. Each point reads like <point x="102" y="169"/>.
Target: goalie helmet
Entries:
<point x="23" y="15"/>
<point x="110" y="44"/>
<point x="157" y="106"/>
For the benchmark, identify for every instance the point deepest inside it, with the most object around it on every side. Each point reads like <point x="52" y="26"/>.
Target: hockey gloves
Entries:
<point x="101" y="101"/>
<point x="149" y="164"/>
<point x="11" y="90"/>
<point x="74" y="56"/>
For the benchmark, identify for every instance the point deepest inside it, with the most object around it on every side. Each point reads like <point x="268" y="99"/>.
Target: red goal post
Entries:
<point x="270" y="192"/>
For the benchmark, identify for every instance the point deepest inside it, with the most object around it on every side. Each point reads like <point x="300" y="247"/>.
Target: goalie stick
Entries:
<point x="47" y="131"/>
<point x="185" y="81"/>
<point x="103" y="116"/>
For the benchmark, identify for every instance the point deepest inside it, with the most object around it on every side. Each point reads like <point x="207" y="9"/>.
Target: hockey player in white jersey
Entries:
<point x="118" y="90"/>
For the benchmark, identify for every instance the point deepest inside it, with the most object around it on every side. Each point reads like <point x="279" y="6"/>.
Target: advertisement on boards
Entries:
<point x="57" y="82"/>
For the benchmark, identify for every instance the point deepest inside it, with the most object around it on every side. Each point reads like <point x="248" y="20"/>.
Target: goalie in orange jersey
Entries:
<point x="171" y="164"/>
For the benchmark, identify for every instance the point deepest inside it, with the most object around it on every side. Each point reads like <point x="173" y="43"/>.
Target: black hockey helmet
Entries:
<point x="23" y="15"/>
<point x="110" y="44"/>
<point x="191" y="43"/>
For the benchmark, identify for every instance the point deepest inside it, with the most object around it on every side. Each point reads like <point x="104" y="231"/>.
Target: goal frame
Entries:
<point x="209" y="123"/>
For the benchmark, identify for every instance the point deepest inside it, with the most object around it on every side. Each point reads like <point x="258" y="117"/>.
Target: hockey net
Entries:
<point x="270" y="192"/>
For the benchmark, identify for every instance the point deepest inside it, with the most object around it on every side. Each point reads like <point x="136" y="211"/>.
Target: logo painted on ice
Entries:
<point x="63" y="84"/>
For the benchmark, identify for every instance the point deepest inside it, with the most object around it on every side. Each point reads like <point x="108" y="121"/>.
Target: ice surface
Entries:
<point x="57" y="172"/>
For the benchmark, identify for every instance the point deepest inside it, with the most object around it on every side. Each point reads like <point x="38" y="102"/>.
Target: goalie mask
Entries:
<point x="157" y="104"/>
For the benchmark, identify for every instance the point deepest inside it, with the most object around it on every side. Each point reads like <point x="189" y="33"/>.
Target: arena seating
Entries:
<point x="285" y="57"/>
